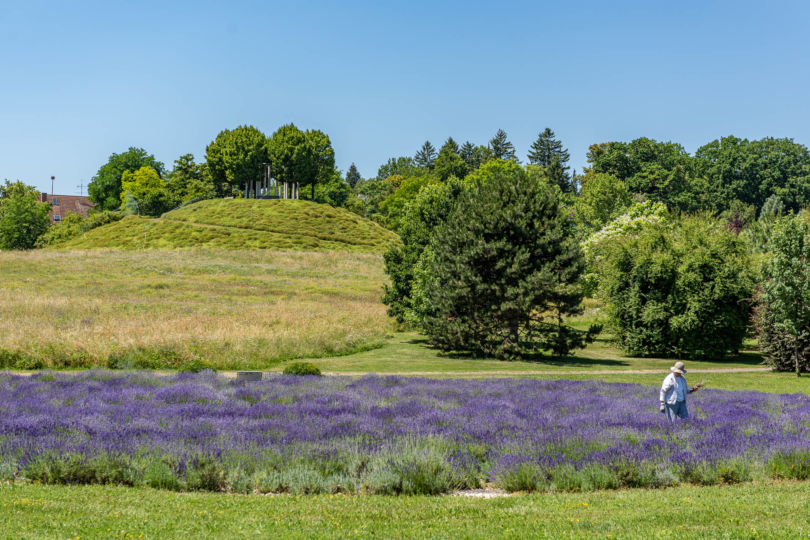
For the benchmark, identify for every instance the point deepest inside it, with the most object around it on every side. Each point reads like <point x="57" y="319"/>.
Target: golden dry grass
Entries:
<point x="164" y="308"/>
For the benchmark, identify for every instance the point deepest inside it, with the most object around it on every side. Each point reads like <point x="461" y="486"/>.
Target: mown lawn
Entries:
<point x="409" y="352"/>
<point x="767" y="510"/>
<point x="222" y="309"/>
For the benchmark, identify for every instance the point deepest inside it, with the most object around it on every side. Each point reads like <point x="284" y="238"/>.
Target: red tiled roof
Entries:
<point x="61" y="205"/>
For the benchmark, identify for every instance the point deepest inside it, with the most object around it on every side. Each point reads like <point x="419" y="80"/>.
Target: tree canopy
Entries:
<point x="105" y="187"/>
<point x="352" y="175"/>
<point x="449" y="163"/>
<point x="236" y="157"/>
<point x="22" y="217"/>
<point x="679" y="289"/>
<point x="752" y="171"/>
<point x="501" y="147"/>
<point x="426" y="156"/>
<point x="548" y="152"/>
<point x="783" y="314"/>
<point x="499" y="276"/>
<point x="306" y="158"/>
<point x="145" y="193"/>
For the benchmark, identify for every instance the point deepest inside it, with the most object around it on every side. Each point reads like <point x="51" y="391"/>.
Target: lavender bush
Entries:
<point x="386" y="434"/>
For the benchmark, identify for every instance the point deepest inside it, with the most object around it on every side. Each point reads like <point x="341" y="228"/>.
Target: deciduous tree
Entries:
<point x="237" y="157"/>
<point x="429" y="209"/>
<point x="449" y="163"/>
<point x="22" y="217"/>
<point x="679" y="289"/>
<point x="306" y="158"/>
<point x="105" y="187"/>
<point x="146" y="193"/>
<point x="784" y="316"/>
<point x="752" y="171"/>
<point x="603" y="198"/>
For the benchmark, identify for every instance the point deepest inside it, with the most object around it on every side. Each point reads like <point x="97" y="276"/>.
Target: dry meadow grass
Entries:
<point x="174" y="308"/>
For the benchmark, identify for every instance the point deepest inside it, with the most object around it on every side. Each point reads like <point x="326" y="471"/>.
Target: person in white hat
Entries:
<point x="674" y="391"/>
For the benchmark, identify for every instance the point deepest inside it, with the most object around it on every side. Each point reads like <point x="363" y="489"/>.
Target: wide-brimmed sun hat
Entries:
<point x="678" y="368"/>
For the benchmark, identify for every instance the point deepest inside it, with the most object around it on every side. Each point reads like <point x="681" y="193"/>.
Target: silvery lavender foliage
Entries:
<point x="349" y="428"/>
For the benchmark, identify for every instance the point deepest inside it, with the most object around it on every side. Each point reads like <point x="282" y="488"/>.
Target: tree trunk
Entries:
<point x="514" y="327"/>
<point x="313" y="191"/>
<point x="796" y="359"/>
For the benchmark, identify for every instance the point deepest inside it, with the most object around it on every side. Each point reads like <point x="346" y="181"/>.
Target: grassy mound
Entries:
<point x="243" y="224"/>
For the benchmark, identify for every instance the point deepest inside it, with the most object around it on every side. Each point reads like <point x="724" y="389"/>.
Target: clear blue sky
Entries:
<point x="81" y="80"/>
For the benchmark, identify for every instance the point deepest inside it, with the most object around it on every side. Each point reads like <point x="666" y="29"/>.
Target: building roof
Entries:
<point x="61" y="205"/>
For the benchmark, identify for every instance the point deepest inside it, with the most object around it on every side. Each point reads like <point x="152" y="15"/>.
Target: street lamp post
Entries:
<point x="52" y="179"/>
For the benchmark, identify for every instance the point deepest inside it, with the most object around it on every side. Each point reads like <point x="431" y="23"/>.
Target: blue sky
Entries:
<point x="81" y="80"/>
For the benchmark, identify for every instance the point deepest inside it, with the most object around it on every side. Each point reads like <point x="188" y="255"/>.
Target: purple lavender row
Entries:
<point x="492" y="430"/>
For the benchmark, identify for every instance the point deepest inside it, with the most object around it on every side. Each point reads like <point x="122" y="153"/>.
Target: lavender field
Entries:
<point x="386" y="435"/>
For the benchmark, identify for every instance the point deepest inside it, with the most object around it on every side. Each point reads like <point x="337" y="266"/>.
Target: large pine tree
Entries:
<point x="548" y="152"/>
<point x="426" y="156"/>
<point x="502" y="148"/>
<point x="501" y="274"/>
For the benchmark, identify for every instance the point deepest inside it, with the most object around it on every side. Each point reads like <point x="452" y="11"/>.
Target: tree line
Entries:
<point x="136" y="182"/>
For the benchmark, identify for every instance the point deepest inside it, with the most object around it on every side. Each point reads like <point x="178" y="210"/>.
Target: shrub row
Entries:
<point x="413" y="470"/>
<point x="533" y="477"/>
<point x="52" y="357"/>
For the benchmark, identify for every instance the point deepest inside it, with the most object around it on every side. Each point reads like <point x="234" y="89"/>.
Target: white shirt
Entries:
<point x="673" y="389"/>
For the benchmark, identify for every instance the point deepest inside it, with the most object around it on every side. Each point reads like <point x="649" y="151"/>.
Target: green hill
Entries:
<point x="243" y="224"/>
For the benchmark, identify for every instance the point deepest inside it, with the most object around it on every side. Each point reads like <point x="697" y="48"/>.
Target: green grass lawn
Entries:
<point x="409" y="352"/>
<point x="768" y="510"/>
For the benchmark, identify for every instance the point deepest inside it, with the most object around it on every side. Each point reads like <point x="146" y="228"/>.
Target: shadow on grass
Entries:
<point x="748" y="357"/>
<point x="535" y="358"/>
<point x="751" y="358"/>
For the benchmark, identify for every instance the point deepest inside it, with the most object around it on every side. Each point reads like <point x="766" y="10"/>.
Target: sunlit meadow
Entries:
<point x="170" y="308"/>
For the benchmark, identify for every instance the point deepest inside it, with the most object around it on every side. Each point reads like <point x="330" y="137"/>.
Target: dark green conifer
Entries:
<point x="426" y="156"/>
<point x="548" y="152"/>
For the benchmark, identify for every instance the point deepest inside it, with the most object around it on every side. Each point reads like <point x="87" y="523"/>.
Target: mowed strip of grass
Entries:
<point x="742" y="511"/>
<point x="409" y="353"/>
<point x="164" y="308"/>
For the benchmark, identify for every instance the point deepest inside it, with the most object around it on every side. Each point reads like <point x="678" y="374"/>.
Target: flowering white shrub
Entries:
<point x="637" y="217"/>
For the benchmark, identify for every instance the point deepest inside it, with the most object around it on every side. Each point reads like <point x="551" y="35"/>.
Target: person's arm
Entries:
<point x="668" y="382"/>
<point x="696" y="387"/>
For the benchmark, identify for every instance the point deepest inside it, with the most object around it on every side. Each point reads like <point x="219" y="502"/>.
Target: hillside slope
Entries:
<point x="243" y="224"/>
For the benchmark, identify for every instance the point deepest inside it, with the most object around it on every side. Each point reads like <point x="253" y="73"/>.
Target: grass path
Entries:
<point x="541" y="372"/>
